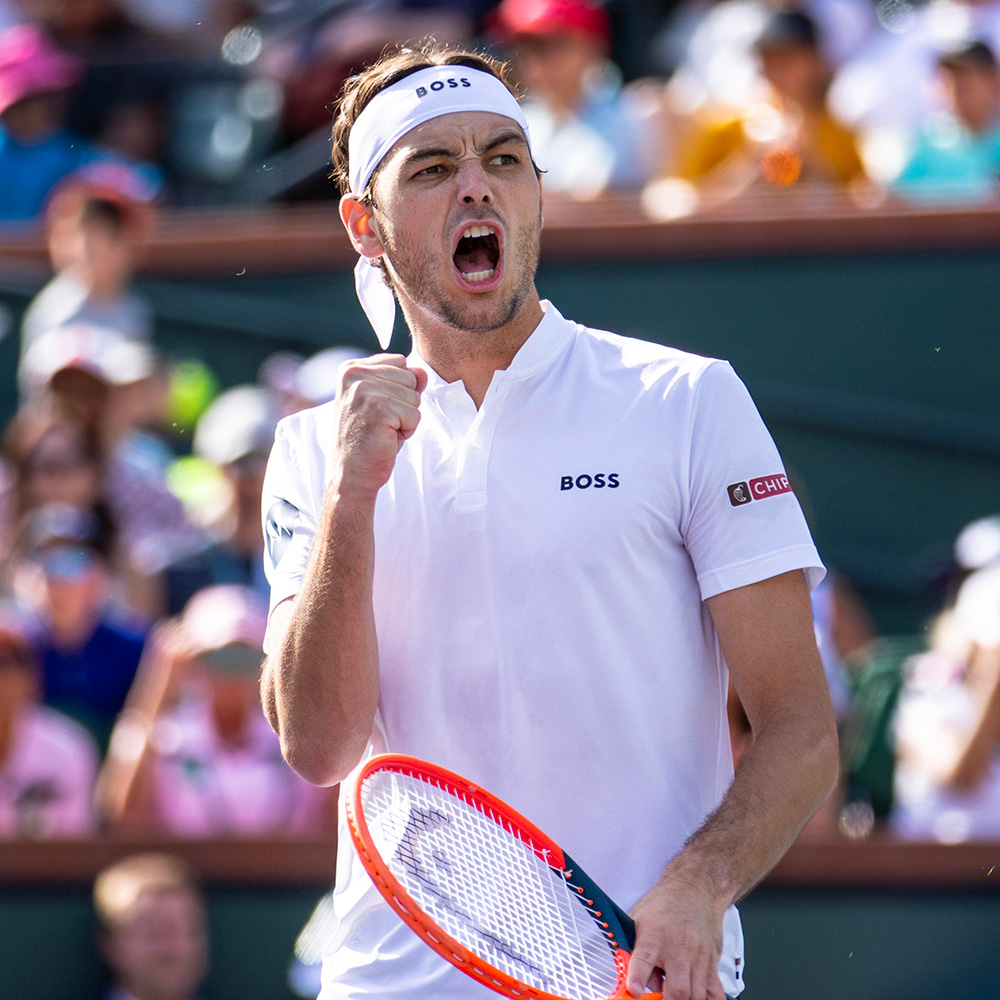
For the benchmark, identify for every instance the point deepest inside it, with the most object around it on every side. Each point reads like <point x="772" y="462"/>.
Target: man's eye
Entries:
<point x="429" y="171"/>
<point x="504" y="160"/>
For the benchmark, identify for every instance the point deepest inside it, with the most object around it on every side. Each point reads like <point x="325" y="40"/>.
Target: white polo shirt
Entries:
<point x="540" y="571"/>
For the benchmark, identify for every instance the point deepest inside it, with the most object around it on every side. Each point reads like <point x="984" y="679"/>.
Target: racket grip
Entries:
<point x="627" y="924"/>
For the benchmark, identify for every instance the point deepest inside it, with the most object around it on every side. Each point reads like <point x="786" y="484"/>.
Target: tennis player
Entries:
<point x="533" y="552"/>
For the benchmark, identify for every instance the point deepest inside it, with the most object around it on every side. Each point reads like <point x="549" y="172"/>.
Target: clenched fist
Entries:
<point x="378" y="409"/>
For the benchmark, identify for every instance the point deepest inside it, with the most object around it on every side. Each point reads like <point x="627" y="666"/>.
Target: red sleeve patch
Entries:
<point x="758" y="489"/>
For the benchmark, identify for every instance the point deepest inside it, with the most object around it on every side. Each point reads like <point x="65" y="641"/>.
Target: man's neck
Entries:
<point x="474" y="357"/>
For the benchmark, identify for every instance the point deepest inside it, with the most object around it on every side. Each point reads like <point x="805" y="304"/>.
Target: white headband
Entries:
<point x="391" y="113"/>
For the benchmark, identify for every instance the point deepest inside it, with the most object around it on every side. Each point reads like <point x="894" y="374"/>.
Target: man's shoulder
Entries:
<point x="634" y="358"/>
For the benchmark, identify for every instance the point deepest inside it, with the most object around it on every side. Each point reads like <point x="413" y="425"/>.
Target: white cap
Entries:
<point x="978" y="543"/>
<point x="318" y="378"/>
<point x="102" y="351"/>
<point x="237" y="423"/>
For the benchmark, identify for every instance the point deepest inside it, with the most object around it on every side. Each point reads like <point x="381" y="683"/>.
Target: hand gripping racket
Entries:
<point x="486" y="889"/>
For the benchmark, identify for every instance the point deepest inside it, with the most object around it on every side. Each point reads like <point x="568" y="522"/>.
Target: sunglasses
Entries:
<point x="67" y="563"/>
<point x="234" y="658"/>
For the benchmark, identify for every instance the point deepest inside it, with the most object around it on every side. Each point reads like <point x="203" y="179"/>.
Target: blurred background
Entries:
<point x="811" y="191"/>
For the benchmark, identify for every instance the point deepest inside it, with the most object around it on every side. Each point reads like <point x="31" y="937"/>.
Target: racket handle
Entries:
<point x="627" y="924"/>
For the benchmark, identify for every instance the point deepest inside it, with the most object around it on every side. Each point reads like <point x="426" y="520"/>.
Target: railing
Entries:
<point x="877" y="862"/>
<point x="311" y="238"/>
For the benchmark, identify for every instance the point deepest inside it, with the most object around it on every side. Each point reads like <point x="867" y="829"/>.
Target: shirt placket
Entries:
<point x="473" y="432"/>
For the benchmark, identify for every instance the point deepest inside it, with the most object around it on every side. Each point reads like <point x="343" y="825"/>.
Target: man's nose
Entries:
<point x="474" y="186"/>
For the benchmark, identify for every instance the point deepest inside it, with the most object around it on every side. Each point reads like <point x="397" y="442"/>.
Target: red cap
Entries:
<point x="110" y="180"/>
<point x="553" y="17"/>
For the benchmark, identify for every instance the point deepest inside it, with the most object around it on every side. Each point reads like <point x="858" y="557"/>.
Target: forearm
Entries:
<point x="320" y="687"/>
<point x="974" y="753"/>
<point x="784" y="778"/>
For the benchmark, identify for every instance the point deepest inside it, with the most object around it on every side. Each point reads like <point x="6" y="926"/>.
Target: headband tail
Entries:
<point x="376" y="299"/>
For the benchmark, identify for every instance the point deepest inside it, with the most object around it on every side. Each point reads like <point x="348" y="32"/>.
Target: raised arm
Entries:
<point x="767" y="637"/>
<point x="320" y="684"/>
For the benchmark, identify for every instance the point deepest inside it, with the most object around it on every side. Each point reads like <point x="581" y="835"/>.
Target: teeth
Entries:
<point x="480" y="275"/>
<point x="473" y="231"/>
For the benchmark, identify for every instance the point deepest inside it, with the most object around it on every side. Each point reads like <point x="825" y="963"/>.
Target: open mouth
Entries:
<point x="478" y="253"/>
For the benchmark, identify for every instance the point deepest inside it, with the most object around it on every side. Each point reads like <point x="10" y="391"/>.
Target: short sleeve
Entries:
<point x="289" y="514"/>
<point x="743" y="521"/>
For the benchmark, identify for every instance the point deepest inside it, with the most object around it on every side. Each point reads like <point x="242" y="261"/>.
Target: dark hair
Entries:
<point x="393" y="66"/>
<point x="970" y="54"/>
<point x="106" y="213"/>
<point x="117" y="888"/>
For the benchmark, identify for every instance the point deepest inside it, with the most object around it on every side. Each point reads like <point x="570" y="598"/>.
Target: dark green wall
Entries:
<point x="870" y="945"/>
<point x="801" y="944"/>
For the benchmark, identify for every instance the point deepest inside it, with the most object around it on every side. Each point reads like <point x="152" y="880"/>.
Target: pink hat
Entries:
<point x="30" y="64"/>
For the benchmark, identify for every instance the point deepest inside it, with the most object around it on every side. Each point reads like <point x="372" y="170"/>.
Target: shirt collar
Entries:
<point x="546" y="342"/>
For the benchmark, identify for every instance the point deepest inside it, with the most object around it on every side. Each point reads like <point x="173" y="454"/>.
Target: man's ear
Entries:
<point x="361" y="226"/>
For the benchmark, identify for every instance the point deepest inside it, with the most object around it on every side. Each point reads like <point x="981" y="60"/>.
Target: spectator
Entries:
<point x="889" y="87"/>
<point x="89" y="651"/>
<point x="152" y="928"/>
<point x="96" y="222"/>
<point x="53" y="463"/>
<point x="791" y="138"/>
<point x="587" y="133"/>
<point x="956" y="155"/>
<point x="48" y="764"/>
<point x="36" y="149"/>
<point x="49" y="461"/>
<point x="115" y="389"/>
<point x="234" y="435"/>
<point x="312" y="58"/>
<point x="948" y="723"/>
<point x="193" y="754"/>
<point x="711" y="44"/>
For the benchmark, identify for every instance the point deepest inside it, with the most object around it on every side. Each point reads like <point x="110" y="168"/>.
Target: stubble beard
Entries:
<point x="414" y="273"/>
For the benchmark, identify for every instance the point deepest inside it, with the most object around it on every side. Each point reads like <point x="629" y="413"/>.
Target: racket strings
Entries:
<point x="448" y="851"/>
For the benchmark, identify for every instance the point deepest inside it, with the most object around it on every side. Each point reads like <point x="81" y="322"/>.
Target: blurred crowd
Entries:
<point x="133" y="602"/>
<point x="690" y="103"/>
<point x="133" y="596"/>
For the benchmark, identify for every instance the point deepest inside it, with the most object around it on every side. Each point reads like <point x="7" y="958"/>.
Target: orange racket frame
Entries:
<point x="412" y="914"/>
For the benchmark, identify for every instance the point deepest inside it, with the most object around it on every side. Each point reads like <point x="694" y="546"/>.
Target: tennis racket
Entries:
<point x="486" y="889"/>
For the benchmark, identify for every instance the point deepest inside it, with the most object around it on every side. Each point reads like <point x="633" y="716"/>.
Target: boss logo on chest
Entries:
<point x="597" y="481"/>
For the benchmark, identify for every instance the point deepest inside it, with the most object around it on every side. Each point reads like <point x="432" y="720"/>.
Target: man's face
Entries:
<point x="974" y="94"/>
<point x="553" y="68"/>
<point x="106" y="257"/>
<point x="796" y="72"/>
<point x="74" y="587"/>
<point x="160" y="953"/>
<point x="458" y="206"/>
<point x="34" y="119"/>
